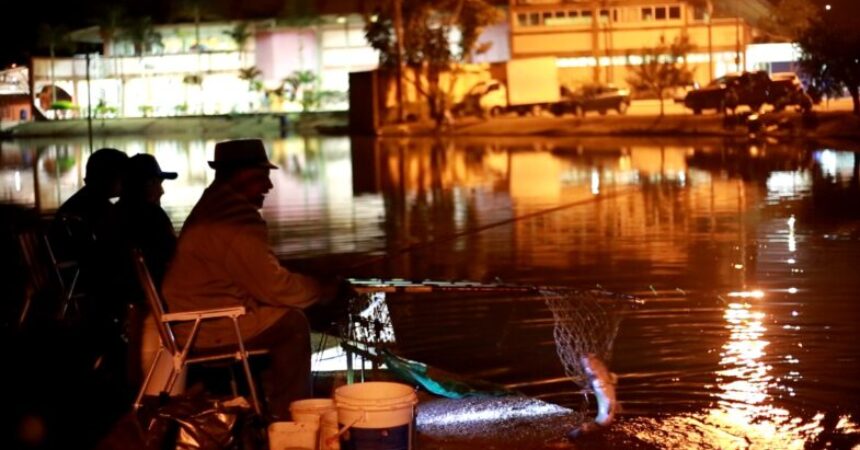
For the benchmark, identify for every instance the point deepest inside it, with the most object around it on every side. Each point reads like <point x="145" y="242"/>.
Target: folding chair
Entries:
<point x="39" y="282"/>
<point x="181" y="355"/>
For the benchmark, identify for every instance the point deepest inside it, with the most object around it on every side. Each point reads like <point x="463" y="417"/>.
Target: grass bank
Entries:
<point x="821" y="125"/>
<point x="222" y="126"/>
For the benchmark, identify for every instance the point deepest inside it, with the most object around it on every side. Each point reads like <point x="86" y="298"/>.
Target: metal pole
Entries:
<point x="398" y="32"/>
<point x="737" y="38"/>
<point x="89" y="105"/>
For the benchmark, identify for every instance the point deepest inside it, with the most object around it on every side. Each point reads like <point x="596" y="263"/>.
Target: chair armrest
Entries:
<point x="203" y="314"/>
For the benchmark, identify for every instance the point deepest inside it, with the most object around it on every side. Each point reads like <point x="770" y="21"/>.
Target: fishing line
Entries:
<point x="452" y="237"/>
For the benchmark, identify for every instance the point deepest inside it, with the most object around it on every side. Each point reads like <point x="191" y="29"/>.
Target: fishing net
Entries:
<point x="369" y="320"/>
<point x="584" y="322"/>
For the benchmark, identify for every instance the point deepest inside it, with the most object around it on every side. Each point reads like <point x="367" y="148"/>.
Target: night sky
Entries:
<point x="20" y="19"/>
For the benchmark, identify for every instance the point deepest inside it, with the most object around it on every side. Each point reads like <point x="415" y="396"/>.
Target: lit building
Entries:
<point x="594" y="39"/>
<point x="201" y="69"/>
<point x="14" y="97"/>
<point x="175" y="76"/>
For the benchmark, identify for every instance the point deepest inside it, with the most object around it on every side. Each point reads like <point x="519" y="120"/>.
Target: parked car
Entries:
<point x="730" y="91"/>
<point x="787" y="90"/>
<point x="593" y="97"/>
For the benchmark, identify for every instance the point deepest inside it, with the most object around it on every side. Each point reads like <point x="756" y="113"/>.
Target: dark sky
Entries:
<point x="20" y="20"/>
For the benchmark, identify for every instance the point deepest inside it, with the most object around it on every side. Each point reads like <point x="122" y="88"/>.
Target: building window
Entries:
<point x="604" y="15"/>
<point x="534" y="19"/>
<point x="699" y="13"/>
<point x="547" y="15"/>
<point x="615" y="15"/>
<point x="559" y="14"/>
<point x="586" y="14"/>
<point x="674" y="12"/>
<point x="647" y="14"/>
<point x="522" y="20"/>
<point x="660" y="13"/>
<point x="572" y="13"/>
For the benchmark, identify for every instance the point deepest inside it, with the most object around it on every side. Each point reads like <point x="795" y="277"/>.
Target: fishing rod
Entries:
<point x="452" y="237"/>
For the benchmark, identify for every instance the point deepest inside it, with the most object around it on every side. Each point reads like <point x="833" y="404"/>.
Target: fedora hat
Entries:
<point x="241" y="153"/>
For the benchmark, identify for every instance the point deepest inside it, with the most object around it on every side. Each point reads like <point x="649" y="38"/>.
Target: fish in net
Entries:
<point x="585" y="326"/>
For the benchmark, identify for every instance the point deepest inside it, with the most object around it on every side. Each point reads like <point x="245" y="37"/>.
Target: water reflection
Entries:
<point x="768" y="229"/>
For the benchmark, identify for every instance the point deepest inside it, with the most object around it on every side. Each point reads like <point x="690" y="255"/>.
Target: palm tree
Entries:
<point x="240" y="34"/>
<point x="251" y="75"/>
<point x="110" y="23"/>
<point x="54" y="38"/>
<point x="141" y="32"/>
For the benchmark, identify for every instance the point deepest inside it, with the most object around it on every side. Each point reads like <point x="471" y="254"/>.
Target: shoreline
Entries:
<point x="824" y="125"/>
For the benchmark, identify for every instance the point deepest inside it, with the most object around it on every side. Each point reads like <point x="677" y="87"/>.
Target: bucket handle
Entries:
<point x="334" y="438"/>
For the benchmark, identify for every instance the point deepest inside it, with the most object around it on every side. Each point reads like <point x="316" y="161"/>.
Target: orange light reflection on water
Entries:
<point x="744" y="415"/>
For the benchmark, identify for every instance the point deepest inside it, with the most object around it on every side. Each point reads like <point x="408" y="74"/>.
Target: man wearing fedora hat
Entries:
<point x="223" y="259"/>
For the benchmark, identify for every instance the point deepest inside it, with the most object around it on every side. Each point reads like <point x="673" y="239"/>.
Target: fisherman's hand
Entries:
<point x="335" y="290"/>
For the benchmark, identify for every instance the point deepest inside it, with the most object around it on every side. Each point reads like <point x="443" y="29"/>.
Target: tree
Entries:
<point x="240" y="35"/>
<point x="141" y="32"/>
<point x="662" y="68"/>
<point x="297" y="82"/>
<point x="789" y="19"/>
<point x="55" y="39"/>
<point x="110" y="22"/>
<point x="251" y="75"/>
<point x="829" y="52"/>
<point x="428" y="47"/>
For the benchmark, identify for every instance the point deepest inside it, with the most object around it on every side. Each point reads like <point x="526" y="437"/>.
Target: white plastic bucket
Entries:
<point x="328" y="431"/>
<point x="293" y="436"/>
<point x="310" y="410"/>
<point x="379" y="415"/>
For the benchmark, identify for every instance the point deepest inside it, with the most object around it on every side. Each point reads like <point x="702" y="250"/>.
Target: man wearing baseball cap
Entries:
<point x="223" y="259"/>
<point x="143" y="225"/>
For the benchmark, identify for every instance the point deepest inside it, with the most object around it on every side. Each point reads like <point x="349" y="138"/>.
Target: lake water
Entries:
<point x="745" y="254"/>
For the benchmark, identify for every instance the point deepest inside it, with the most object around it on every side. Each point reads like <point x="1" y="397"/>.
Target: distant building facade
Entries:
<point x="595" y="39"/>
<point x="200" y="69"/>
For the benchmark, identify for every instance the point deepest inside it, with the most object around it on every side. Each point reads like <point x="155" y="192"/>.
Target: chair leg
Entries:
<point x="247" y="366"/>
<point x="149" y="373"/>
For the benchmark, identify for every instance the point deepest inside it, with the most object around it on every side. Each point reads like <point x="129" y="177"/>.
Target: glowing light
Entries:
<point x="341" y="19"/>
<point x="747" y="294"/>
<point x="792" y="290"/>
<point x="18" y="181"/>
<point x="827" y="7"/>
<point x="791" y="260"/>
<point x="828" y="162"/>
<point x="595" y="182"/>
<point x="470" y="416"/>
<point x="739" y="266"/>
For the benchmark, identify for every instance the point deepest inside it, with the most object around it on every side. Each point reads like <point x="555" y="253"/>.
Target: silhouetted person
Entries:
<point x="223" y="259"/>
<point x="145" y="226"/>
<point x="86" y="230"/>
<point x="89" y="215"/>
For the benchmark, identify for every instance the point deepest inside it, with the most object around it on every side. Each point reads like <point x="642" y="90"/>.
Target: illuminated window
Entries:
<point x="647" y="13"/>
<point x="660" y="13"/>
<point x="674" y="12"/>
<point x="604" y="15"/>
<point x="522" y="20"/>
